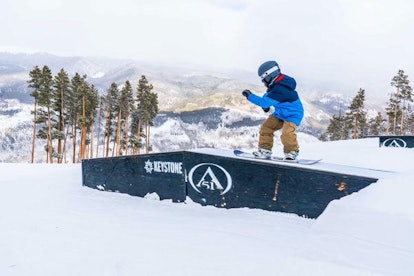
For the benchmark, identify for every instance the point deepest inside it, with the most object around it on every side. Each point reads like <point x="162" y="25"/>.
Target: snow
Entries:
<point x="19" y="114"/>
<point x="51" y="225"/>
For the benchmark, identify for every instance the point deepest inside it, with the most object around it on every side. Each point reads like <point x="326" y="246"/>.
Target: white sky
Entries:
<point x="352" y="43"/>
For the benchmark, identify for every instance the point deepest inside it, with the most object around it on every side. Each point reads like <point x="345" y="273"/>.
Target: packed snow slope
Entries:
<point x="51" y="225"/>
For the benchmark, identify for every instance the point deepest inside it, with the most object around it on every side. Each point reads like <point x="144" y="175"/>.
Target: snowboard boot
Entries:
<point x="263" y="153"/>
<point x="292" y="155"/>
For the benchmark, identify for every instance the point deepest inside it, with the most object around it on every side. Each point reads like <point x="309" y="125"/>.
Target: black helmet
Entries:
<point x="268" y="71"/>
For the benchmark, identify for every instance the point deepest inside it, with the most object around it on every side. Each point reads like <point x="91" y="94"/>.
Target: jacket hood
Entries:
<point x="286" y="81"/>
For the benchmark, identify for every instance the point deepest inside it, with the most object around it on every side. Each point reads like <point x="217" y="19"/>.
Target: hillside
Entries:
<point x="211" y="98"/>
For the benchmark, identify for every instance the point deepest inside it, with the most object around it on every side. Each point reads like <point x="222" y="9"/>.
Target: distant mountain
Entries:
<point x="198" y="107"/>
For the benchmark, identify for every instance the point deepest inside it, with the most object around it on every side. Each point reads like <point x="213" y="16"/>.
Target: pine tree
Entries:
<point x="398" y="105"/>
<point x="89" y="100"/>
<point x="69" y="114"/>
<point x="323" y="136"/>
<point x="124" y="109"/>
<point x="93" y="106"/>
<point x="35" y="84"/>
<point x="101" y="117"/>
<point x="60" y="92"/>
<point x="147" y="107"/>
<point x="62" y="103"/>
<point x="112" y="99"/>
<point x="401" y="82"/>
<point x="77" y="87"/>
<point x="337" y="128"/>
<point x="377" y="125"/>
<point x="152" y="112"/>
<point x="136" y="132"/>
<point x="45" y="101"/>
<point x="127" y="106"/>
<point x="356" y="116"/>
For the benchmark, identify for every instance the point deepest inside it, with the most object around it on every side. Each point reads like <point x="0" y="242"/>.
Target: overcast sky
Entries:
<point x="346" y="43"/>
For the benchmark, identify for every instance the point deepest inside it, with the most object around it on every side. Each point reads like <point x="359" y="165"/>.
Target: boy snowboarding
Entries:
<point x="283" y="101"/>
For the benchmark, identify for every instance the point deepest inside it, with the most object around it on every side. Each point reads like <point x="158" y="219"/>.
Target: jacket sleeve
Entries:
<point x="263" y="102"/>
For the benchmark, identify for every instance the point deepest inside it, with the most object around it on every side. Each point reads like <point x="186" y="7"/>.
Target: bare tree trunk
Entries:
<point x="107" y="145"/>
<point x="126" y="136"/>
<point x="354" y="136"/>
<point x="34" y="132"/>
<point x="64" y="143"/>
<point x="82" y="149"/>
<point x="49" y="136"/>
<point x="83" y="143"/>
<point x="147" y="141"/>
<point x="92" y="141"/>
<point x="61" y="128"/>
<point x="138" y="149"/>
<point x="98" y="135"/>
<point x="108" y="129"/>
<point x="74" y="142"/>
<point x="395" y="113"/>
<point x="402" y="119"/>
<point x="118" y="133"/>
<point x="84" y="135"/>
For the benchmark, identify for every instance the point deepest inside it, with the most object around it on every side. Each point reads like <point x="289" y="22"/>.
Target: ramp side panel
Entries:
<point x="222" y="181"/>
<point x="236" y="183"/>
<point x="138" y="175"/>
<point x="398" y="141"/>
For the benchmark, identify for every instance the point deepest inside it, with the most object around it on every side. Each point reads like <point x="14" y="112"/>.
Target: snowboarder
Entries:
<point x="283" y="102"/>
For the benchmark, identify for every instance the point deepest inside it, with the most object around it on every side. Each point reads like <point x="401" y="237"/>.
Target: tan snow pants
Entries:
<point x="288" y="137"/>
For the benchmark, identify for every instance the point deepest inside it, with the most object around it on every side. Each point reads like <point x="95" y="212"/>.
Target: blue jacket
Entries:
<point x="283" y="96"/>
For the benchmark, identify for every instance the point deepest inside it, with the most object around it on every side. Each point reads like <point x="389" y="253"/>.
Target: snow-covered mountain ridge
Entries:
<point x="211" y="99"/>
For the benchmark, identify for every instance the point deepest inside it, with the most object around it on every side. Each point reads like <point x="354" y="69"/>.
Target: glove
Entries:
<point x="269" y="109"/>
<point x="246" y="93"/>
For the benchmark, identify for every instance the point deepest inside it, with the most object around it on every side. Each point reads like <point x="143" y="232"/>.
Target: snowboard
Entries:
<point x="277" y="158"/>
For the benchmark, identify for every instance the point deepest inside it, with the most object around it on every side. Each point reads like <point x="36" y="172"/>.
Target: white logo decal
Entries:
<point x="209" y="180"/>
<point x="148" y="166"/>
<point x="163" y="167"/>
<point x="395" y="142"/>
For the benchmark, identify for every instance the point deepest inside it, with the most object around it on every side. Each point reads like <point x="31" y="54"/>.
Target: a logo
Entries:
<point x="210" y="177"/>
<point x="394" y="142"/>
<point x="163" y="167"/>
<point x="148" y="166"/>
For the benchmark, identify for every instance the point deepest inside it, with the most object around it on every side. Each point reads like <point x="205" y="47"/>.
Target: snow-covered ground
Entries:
<point x="51" y="225"/>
